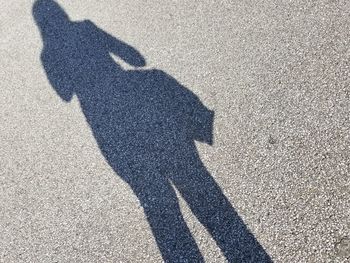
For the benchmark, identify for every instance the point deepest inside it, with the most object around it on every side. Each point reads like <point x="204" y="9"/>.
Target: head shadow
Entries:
<point x="145" y="124"/>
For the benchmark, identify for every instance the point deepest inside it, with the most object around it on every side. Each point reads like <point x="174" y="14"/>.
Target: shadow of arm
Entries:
<point x="204" y="127"/>
<point x="119" y="48"/>
<point x="58" y="76"/>
<point x="202" y="120"/>
<point x="198" y="117"/>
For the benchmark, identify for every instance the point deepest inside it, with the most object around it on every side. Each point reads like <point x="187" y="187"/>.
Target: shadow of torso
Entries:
<point x="141" y="119"/>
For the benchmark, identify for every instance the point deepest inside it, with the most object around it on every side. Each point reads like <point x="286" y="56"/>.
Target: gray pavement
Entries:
<point x="276" y="74"/>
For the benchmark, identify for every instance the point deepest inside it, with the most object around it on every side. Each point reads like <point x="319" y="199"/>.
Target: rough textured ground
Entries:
<point x="277" y="75"/>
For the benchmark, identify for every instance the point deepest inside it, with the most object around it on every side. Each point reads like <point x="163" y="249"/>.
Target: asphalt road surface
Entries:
<point x="177" y="131"/>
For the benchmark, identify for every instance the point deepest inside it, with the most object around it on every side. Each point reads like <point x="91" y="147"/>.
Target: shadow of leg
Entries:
<point x="215" y="212"/>
<point x="162" y="210"/>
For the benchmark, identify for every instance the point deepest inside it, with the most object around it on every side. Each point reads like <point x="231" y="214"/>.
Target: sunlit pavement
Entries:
<point x="275" y="74"/>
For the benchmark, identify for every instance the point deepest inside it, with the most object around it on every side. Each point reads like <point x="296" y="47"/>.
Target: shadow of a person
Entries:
<point x="145" y="124"/>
